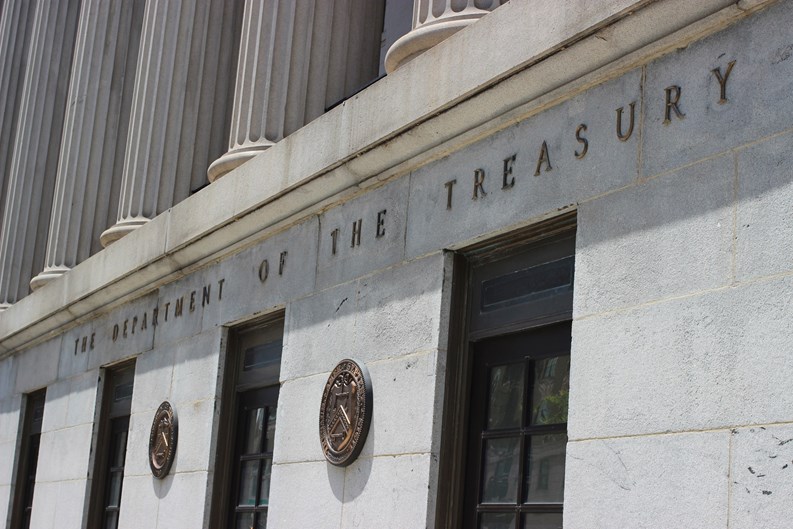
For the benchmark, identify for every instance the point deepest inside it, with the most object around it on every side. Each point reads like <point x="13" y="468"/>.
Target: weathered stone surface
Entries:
<point x="757" y="92"/>
<point x="663" y="238"/>
<point x="607" y="165"/>
<point x="38" y="367"/>
<point x="709" y="361"/>
<point x="764" y="220"/>
<point x="297" y="434"/>
<point x="140" y="502"/>
<point x="64" y="454"/>
<point x="391" y="490"/>
<point x="648" y="482"/>
<point x="762" y="460"/>
<point x="182" y="500"/>
<point x="107" y="350"/>
<point x="352" y="259"/>
<point x="306" y="495"/>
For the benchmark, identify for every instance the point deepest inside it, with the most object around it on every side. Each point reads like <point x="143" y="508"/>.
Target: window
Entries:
<point x="28" y="460"/>
<point x="250" y="401"/>
<point x="508" y="377"/>
<point x="112" y="434"/>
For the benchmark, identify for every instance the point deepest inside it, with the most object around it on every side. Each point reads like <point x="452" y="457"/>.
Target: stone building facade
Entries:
<point x="555" y="236"/>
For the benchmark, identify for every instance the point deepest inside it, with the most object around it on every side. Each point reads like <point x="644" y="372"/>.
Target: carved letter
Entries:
<point x="192" y="301"/>
<point x="449" y="185"/>
<point x="154" y="313"/>
<point x="582" y="140"/>
<point x="220" y="288"/>
<point x="134" y="323"/>
<point x="76" y="343"/>
<point x="334" y="235"/>
<point x="479" y="179"/>
<point x="205" y="295"/>
<point x="380" y="224"/>
<point x="115" y="332"/>
<point x="124" y="329"/>
<point x="627" y="135"/>
<point x="264" y="271"/>
<point x="544" y="158"/>
<point x="166" y="310"/>
<point x="282" y="263"/>
<point x="672" y="102"/>
<point x="723" y="81"/>
<point x="144" y="322"/>
<point x="85" y="344"/>
<point x="93" y="335"/>
<point x="178" y="307"/>
<point x="508" y="163"/>
<point x="356" y="233"/>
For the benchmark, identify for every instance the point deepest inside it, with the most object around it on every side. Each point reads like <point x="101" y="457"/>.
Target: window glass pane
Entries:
<point x="544" y="478"/>
<point x="111" y="519"/>
<point x="542" y="521"/>
<point x="119" y="449"/>
<point x="245" y="520"/>
<point x="505" y="407"/>
<point x="270" y="428"/>
<point x="249" y="479"/>
<point x="261" y="520"/>
<point x="500" y="477"/>
<point x="114" y="494"/>
<point x="255" y="431"/>
<point x="551" y="386"/>
<point x="262" y="355"/>
<point x="492" y="520"/>
<point x="267" y="469"/>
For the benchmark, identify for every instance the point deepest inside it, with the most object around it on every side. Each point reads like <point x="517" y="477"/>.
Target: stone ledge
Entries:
<point x="391" y="128"/>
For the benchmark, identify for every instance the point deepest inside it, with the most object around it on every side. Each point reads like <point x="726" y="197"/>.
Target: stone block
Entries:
<point x="306" y="495"/>
<point x="7" y="460"/>
<point x="8" y="375"/>
<point x="37" y="367"/>
<point x="74" y="351"/>
<point x="70" y="503"/>
<point x="82" y="398"/>
<point x="64" y="454"/>
<point x="762" y="462"/>
<point x="387" y="492"/>
<point x="377" y="241"/>
<point x="196" y="368"/>
<point x="297" y="430"/>
<point x="607" y="164"/>
<point x="56" y="406"/>
<point x="765" y="219"/>
<point x="10" y="417"/>
<point x="45" y="501"/>
<point x="758" y="102"/>
<point x="108" y="350"/>
<point x="180" y="306"/>
<point x="183" y="500"/>
<point x="648" y="482"/>
<point x="329" y="314"/>
<point x="399" y="310"/>
<point x="244" y="293"/>
<point x="711" y="361"/>
<point x="5" y="502"/>
<point x="137" y="459"/>
<point x="139" y="498"/>
<point x="666" y="237"/>
<point x="196" y="421"/>
<point x="153" y="379"/>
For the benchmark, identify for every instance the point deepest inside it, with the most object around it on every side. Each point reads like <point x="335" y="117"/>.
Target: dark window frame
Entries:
<point x="463" y="334"/>
<point x="243" y="387"/>
<point x="27" y="462"/>
<point x="113" y="419"/>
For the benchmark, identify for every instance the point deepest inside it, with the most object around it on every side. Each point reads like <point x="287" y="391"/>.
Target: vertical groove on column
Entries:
<point x="82" y="189"/>
<point x="36" y="146"/>
<point x="174" y="108"/>
<point x="15" y="28"/>
<point x="296" y="58"/>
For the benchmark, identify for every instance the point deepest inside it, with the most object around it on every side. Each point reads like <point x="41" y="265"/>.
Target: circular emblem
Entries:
<point x="162" y="440"/>
<point x="345" y="412"/>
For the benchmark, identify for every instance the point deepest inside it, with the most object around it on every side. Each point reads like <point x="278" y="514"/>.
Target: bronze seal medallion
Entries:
<point x="345" y="412"/>
<point x="162" y="440"/>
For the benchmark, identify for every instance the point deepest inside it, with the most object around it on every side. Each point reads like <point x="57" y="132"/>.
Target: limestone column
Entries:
<point x="16" y="22"/>
<point x="178" y="105"/>
<point x="433" y="22"/>
<point x="297" y="57"/>
<point x="102" y="77"/>
<point x="36" y="146"/>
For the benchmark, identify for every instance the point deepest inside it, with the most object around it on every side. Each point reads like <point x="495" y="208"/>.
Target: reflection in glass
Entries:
<point x="115" y="489"/>
<point x="505" y="407"/>
<point x="270" y="429"/>
<point x="245" y="520"/>
<point x="261" y="521"/>
<point x="551" y="387"/>
<point x="249" y="479"/>
<point x="492" y="520"/>
<point x="119" y="449"/>
<point x="264" y="495"/>
<point x="544" y="473"/>
<point x="111" y="519"/>
<point x="255" y="431"/>
<point x="546" y="520"/>
<point x="500" y="478"/>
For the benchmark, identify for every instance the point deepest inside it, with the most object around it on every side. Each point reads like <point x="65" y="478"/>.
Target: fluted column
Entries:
<point x="178" y="105"/>
<point x="36" y="146"/>
<point x="296" y="58"/>
<point x="16" y="22"/>
<point x="108" y="37"/>
<point x="433" y="22"/>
